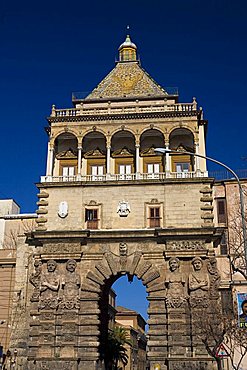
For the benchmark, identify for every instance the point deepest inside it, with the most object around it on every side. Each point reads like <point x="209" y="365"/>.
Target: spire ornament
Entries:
<point x="127" y="50"/>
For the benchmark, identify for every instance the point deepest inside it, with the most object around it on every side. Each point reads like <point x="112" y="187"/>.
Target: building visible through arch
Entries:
<point x="109" y="206"/>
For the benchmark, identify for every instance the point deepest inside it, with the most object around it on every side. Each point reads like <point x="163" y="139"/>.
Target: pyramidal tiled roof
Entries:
<point x="127" y="80"/>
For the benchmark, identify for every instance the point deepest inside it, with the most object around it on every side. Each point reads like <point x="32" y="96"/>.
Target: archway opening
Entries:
<point x="66" y="155"/>
<point x="124" y="317"/>
<point x="182" y="139"/>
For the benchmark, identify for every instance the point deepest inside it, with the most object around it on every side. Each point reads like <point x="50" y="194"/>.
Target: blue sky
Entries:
<point x="49" y="49"/>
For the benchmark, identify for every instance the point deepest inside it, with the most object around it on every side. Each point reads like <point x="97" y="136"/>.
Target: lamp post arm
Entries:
<point x="241" y="195"/>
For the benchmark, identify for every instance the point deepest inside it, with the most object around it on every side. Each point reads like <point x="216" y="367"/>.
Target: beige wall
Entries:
<point x="180" y="202"/>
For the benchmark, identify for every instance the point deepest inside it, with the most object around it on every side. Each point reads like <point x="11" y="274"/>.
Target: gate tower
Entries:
<point x="109" y="206"/>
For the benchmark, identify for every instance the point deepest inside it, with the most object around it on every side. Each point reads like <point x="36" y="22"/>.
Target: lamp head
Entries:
<point x="162" y="150"/>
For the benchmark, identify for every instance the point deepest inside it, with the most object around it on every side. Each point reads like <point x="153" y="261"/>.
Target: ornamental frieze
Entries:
<point x="187" y="245"/>
<point x="60" y="248"/>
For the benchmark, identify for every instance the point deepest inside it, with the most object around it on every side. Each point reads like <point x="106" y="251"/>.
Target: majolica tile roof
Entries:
<point x="127" y="80"/>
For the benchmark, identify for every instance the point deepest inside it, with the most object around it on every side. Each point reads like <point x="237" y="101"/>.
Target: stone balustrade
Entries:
<point x="82" y="111"/>
<point x="125" y="177"/>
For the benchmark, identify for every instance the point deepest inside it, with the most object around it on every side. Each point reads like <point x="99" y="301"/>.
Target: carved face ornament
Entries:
<point x="51" y="266"/>
<point x="123" y="249"/>
<point x="174" y="264"/>
<point x="197" y="264"/>
<point x="71" y="265"/>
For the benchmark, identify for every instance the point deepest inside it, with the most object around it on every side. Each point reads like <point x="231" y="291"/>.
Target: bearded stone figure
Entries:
<point x="70" y="284"/>
<point x="175" y="284"/>
<point x="198" y="284"/>
<point x="49" y="286"/>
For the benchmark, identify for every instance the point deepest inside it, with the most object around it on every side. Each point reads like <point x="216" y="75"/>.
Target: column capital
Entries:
<point x="51" y="143"/>
<point x="79" y="141"/>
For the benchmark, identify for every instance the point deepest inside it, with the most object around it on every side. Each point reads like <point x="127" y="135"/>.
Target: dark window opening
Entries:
<point x="221" y="211"/>
<point x="91" y="218"/>
<point x="223" y="244"/>
<point x="154" y="217"/>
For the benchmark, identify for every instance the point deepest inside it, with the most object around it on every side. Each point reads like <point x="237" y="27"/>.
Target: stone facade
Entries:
<point x="108" y="207"/>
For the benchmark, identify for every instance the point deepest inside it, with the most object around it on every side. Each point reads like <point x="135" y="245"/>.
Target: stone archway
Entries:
<point x="67" y="319"/>
<point x="99" y="280"/>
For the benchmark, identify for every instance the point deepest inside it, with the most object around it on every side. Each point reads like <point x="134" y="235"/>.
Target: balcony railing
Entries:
<point x="124" y="177"/>
<point x="108" y="110"/>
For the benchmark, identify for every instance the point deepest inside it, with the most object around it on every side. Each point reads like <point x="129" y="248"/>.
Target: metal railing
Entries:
<point x="225" y="175"/>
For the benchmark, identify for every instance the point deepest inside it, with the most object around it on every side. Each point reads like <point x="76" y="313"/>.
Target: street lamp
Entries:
<point x="241" y="194"/>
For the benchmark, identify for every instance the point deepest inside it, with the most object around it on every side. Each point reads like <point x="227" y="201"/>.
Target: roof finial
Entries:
<point x="127" y="50"/>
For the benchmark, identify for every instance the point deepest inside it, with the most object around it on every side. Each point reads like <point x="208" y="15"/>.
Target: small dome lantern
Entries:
<point x="127" y="51"/>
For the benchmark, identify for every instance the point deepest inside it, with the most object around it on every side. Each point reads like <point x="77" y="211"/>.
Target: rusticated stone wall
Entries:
<point x="68" y="285"/>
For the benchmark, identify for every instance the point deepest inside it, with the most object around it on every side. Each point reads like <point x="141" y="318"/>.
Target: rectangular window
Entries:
<point x="153" y="170"/>
<point x="223" y="244"/>
<point x="91" y="218"/>
<point x="154" y="217"/>
<point x="125" y="171"/>
<point x="153" y="167"/>
<point x="97" y="172"/>
<point x="182" y="167"/>
<point x="221" y="211"/>
<point x="68" y="173"/>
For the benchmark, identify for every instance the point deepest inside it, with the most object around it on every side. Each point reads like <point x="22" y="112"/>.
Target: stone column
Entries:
<point x="137" y="158"/>
<point x="197" y="159"/>
<point x="108" y="157"/>
<point x="168" y="161"/>
<point x="50" y="158"/>
<point x="79" y="158"/>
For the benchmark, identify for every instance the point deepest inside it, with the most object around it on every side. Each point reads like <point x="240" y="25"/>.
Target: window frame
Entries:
<point x="221" y="217"/>
<point x="150" y="222"/>
<point x="95" y="222"/>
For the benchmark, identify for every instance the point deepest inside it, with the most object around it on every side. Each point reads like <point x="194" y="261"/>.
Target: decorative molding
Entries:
<point x="187" y="245"/>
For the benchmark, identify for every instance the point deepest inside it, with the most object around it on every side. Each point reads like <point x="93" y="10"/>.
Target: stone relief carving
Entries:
<point x="175" y="285"/>
<point x="198" y="284"/>
<point x="214" y="277"/>
<point x="123" y="208"/>
<point x="70" y="286"/>
<point x="35" y="280"/>
<point x="189" y="365"/>
<point x="52" y="365"/>
<point x="53" y="289"/>
<point x="49" y="286"/>
<point x="123" y="250"/>
<point x="63" y="209"/>
<point x="60" y="248"/>
<point x="185" y="245"/>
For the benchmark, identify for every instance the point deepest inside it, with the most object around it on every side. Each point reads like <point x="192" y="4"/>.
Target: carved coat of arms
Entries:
<point x="123" y="208"/>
